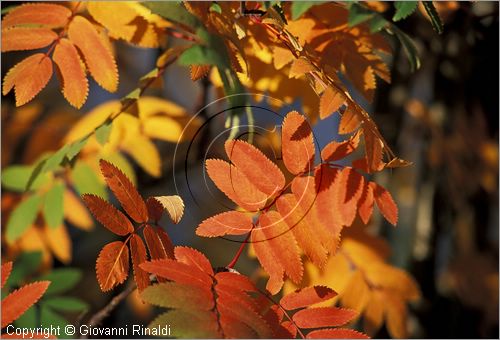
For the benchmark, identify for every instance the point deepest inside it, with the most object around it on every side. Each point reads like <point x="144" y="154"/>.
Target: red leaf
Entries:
<point x="74" y="83"/>
<point x="334" y="151"/>
<point x="193" y="258"/>
<point x="227" y="223"/>
<point x="23" y="38"/>
<point x="327" y="202"/>
<point x="158" y="249"/>
<point x="307" y="296"/>
<point x="110" y="217"/>
<point x="20" y="300"/>
<point x="385" y="203"/>
<point x="125" y="192"/>
<point x="237" y="187"/>
<point x="48" y="15"/>
<point x="297" y="143"/>
<point x="98" y="57"/>
<point x="28" y="77"/>
<point x="336" y="333"/>
<point x="263" y="173"/>
<point x="138" y="254"/>
<point x="6" y="269"/>
<point x="112" y="265"/>
<point x="155" y="209"/>
<point x="323" y="317"/>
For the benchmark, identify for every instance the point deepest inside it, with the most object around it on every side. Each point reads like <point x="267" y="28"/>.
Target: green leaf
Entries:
<point x="75" y="147"/>
<point x="22" y="217"/>
<point x="201" y="55"/>
<point x="16" y="177"/>
<point x="49" y="318"/>
<point x="408" y="46"/>
<point x="28" y="319"/>
<point x="25" y="265"/>
<point x="86" y="181"/>
<point x="103" y="131"/>
<point x="62" y="279"/>
<point x="437" y="24"/>
<point x="300" y="7"/>
<point x="53" y="206"/>
<point x="173" y="11"/>
<point x="377" y="23"/>
<point x="55" y="160"/>
<point x="65" y="304"/>
<point x="404" y="9"/>
<point x="184" y="322"/>
<point x="358" y="14"/>
<point x="215" y="7"/>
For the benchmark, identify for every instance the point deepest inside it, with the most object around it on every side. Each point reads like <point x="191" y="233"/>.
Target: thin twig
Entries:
<point x="102" y="314"/>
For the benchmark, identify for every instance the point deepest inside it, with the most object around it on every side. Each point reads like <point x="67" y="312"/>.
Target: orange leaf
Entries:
<point x="334" y="151"/>
<point x="365" y="205"/>
<point x="349" y="121"/>
<point x="112" y="265"/>
<point x="232" y="182"/>
<point x="336" y="333"/>
<point x="373" y="151"/>
<point x="297" y="143"/>
<point x="49" y="15"/>
<point x="348" y="189"/>
<point x="99" y="60"/>
<point x="176" y="271"/>
<point x="193" y="258"/>
<point x="323" y="317"/>
<point x="235" y="280"/>
<point x="20" y="300"/>
<point x="306" y="194"/>
<point x="300" y="67"/>
<point x="385" y="203"/>
<point x="125" y="192"/>
<point x="263" y="173"/>
<point x="330" y="101"/>
<point x="304" y="232"/>
<point x="267" y="259"/>
<point x="74" y="83"/>
<point x="327" y="204"/>
<point x="307" y="296"/>
<point x="6" y="269"/>
<point x="158" y="249"/>
<point x="110" y="217"/>
<point x="199" y="71"/>
<point x="22" y="38"/>
<point x="283" y="250"/>
<point x="227" y="223"/>
<point x="28" y="77"/>
<point x="155" y="209"/>
<point x="138" y="254"/>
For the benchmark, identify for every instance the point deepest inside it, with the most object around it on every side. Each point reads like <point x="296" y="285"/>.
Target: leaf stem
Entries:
<point x="238" y="253"/>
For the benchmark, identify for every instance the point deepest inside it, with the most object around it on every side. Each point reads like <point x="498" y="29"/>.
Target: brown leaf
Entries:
<point x="199" y="71"/>
<point x="125" y="192"/>
<point x="110" y="217"/>
<point x="112" y="265"/>
<point x="155" y="209"/>
<point x="138" y="254"/>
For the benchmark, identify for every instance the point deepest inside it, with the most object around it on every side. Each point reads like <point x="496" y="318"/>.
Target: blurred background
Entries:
<point x="443" y="118"/>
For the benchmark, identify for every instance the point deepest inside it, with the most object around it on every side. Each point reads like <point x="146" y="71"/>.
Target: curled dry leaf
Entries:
<point x="173" y="205"/>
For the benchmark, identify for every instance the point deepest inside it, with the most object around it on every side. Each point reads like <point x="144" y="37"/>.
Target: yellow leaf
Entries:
<point x="300" y="67"/>
<point x="173" y="205"/>
<point x="144" y="152"/>
<point x="59" y="242"/>
<point x="76" y="213"/>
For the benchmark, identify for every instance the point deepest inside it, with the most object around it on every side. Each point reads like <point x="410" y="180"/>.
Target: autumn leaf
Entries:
<point x="20" y="300"/>
<point x="199" y="71"/>
<point x="173" y="205"/>
<point x="112" y="265"/>
<point x="22" y="38"/>
<point x="155" y="209"/>
<point x="227" y="223"/>
<point x="385" y="203"/>
<point x="74" y="81"/>
<point x="108" y="215"/>
<point x="125" y="192"/>
<point x="28" y="77"/>
<point x="98" y="58"/>
<point x="139" y="255"/>
<point x="43" y="14"/>
<point x="330" y="101"/>
<point x="6" y="270"/>
<point x="297" y="143"/>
